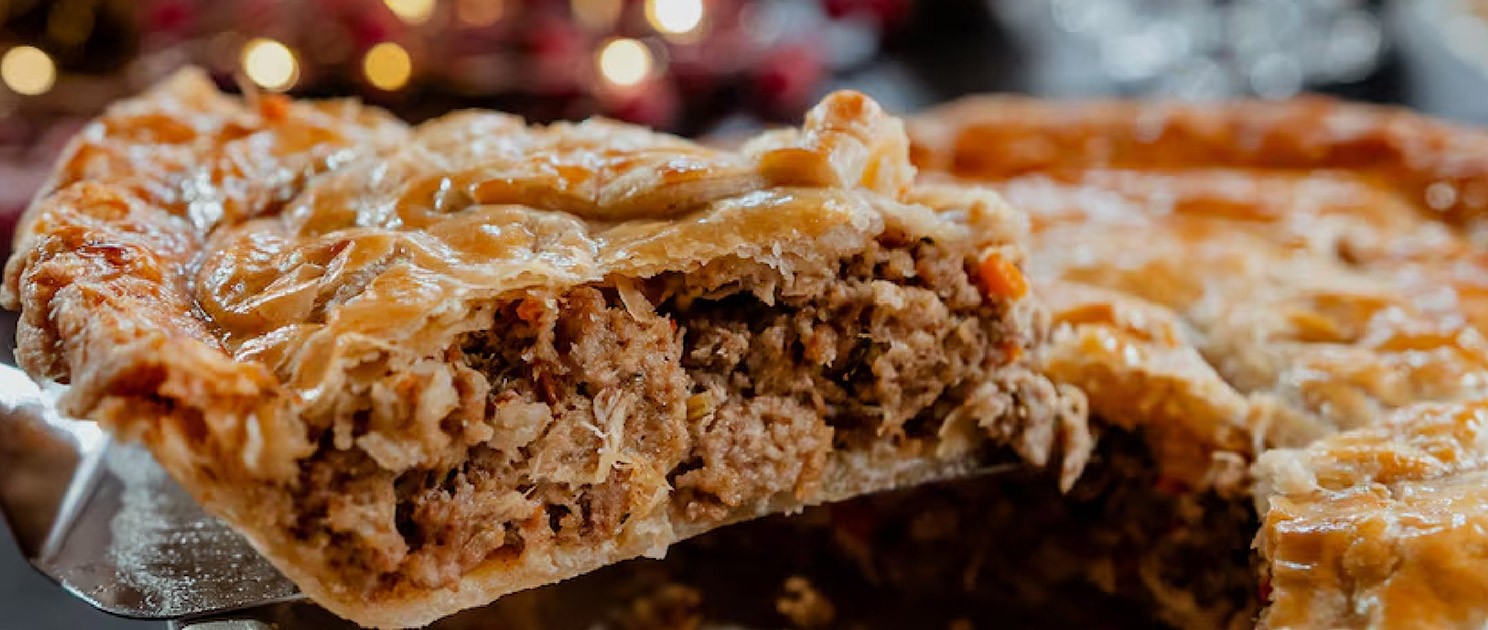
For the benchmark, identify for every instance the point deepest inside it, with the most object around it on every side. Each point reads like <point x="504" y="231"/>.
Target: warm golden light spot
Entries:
<point x="596" y="15"/>
<point x="270" y="64"/>
<point x="674" y="17"/>
<point x="70" y="22"/>
<point x="624" y="61"/>
<point x="411" y="11"/>
<point x="27" y="70"/>
<point x="387" y="66"/>
<point x="479" y="13"/>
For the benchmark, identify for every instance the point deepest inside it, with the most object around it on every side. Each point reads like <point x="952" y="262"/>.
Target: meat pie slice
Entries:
<point x="423" y="367"/>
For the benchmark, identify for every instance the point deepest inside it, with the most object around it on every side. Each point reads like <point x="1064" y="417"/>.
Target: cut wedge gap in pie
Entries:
<point x="1225" y="280"/>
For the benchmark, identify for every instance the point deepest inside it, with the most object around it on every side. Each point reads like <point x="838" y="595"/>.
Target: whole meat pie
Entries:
<point x="1232" y="279"/>
<point x="422" y="367"/>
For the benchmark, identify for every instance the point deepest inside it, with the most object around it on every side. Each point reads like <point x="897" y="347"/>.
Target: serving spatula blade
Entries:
<point x="108" y="524"/>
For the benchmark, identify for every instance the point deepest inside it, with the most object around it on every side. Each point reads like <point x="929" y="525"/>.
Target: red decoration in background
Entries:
<point x="745" y="59"/>
<point x="749" y="57"/>
<point x="885" y="12"/>
<point x="788" y="76"/>
<point x="370" y="28"/>
<point x="653" y="105"/>
<point x="541" y="50"/>
<point x="169" y="16"/>
<point x="252" y="16"/>
<point x="559" y="56"/>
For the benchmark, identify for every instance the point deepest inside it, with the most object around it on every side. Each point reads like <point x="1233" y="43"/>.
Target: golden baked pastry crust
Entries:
<point x="1226" y="279"/>
<point x="422" y="367"/>
<point x="1382" y="527"/>
<point x="1241" y="275"/>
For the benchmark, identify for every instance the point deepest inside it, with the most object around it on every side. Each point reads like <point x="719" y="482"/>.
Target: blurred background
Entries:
<point x="699" y="67"/>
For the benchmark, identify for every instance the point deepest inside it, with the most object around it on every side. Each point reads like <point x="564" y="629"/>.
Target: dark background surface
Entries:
<point x="944" y="49"/>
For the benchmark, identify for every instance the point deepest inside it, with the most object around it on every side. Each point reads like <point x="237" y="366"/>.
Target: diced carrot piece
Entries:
<point x="530" y="311"/>
<point x="1001" y="278"/>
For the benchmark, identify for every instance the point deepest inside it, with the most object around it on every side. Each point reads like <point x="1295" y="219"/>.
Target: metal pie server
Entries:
<point x="106" y="522"/>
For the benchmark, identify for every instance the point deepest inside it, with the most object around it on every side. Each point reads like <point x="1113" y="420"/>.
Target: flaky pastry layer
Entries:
<point x="1382" y="527"/>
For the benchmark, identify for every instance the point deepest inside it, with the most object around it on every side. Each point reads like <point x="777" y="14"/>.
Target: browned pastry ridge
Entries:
<point x="422" y="367"/>
<point x="1229" y="279"/>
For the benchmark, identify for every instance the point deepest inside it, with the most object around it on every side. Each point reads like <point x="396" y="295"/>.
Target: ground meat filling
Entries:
<point x="698" y="393"/>
<point x="824" y="363"/>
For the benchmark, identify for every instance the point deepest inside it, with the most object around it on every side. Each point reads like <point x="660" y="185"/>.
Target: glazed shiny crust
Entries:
<point x="248" y="286"/>
<point x="1232" y="278"/>
<point x="1245" y="275"/>
<point x="1383" y="527"/>
<point x="104" y="262"/>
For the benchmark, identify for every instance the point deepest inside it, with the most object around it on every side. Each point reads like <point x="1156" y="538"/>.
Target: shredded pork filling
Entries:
<point x="702" y="394"/>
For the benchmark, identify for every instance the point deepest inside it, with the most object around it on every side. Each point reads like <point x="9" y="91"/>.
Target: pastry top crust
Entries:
<point x="476" y="206"/>
<point x="1244" y="275"/>
<point x="1380" y="527"/>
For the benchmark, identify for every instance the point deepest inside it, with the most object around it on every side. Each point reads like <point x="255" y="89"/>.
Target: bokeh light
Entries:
<point x="270" y="64"/>
<point x="70" y="22"/>
<point x="596" y="15"/>
<point x="411" y="11"/>
<point x="478" y="13"/>
<point x="27" y="70"/>
<point x="674" y="17"/>
<point x="387" y="66"/>
<point x="624" y="61"/>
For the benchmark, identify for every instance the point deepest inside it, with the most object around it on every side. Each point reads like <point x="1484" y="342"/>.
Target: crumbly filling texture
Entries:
<point x="701" y="394"/>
